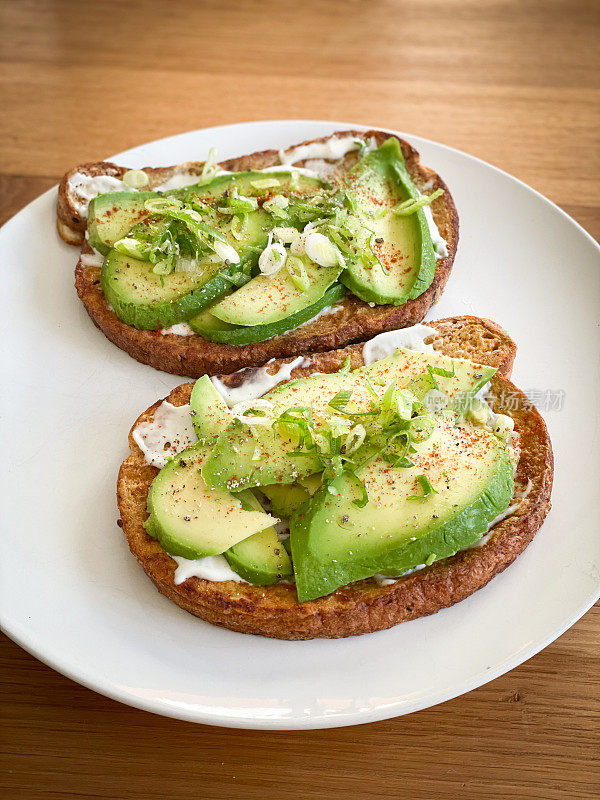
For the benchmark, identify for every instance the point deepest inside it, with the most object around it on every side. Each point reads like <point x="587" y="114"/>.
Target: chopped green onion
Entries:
<point x="133" y="247"/>
<point x="341" y="399"/>
<point x="265" y="183"/>
<point x="346" y="365"/>
<point x="430" y="559"/>
<point x="298" y="273"/>
<point x="163" y="205"/>
<point x="238" y="226"/>
<point x="277" y="206"/>
<point x="209" y="169"/>
<point x="164" y="267"/>
<point x="136" y="178"/>
<point x="426" y="486"/>
<point x="414" y="204"/>
<point x="439" y="371"/>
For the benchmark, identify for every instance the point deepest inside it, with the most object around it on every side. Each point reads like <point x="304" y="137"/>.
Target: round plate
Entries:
<point x="72" y="594"/>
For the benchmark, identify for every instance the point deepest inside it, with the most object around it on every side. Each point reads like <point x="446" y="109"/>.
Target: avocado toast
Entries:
<point x="428" y="497"/>
<point x="205" y="268"/>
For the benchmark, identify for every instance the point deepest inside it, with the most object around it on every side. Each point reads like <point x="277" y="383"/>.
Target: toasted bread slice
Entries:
<point x="353" y="321"/>
<point x="364" y="606"/>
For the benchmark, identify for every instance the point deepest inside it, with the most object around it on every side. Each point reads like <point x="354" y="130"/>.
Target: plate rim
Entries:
<point x="28" y="641"/>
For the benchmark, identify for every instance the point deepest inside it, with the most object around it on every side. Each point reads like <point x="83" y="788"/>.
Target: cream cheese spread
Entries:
<point x="85" y="187"/>
<point x="258" y="382"/>
<point x="210" y="568"/>
<point x="95" y="259"/>
<point x="332" y="149"/>
<point x="440" y="245"/>
<point x="385" y="344"/>
<point x="180" y="329"/>
<point x="168" y="433"/>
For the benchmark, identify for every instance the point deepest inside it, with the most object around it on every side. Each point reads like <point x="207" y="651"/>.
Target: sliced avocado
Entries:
<point x="252" y="183"/>
<point x="215" y="330"/>
<point x="269" y="299"/>
<point x="145" y="300"/>
<point x="191" y="520"/>
<point x="246" y="456"/>
<point x="410" y="369"/>
<point x="260" y="559"/>
<point x="286" y="498"/>
<point x="210" y="414"/>
<point x="335" y="542"/>
<point x="112" y="215"/>
<point x="378" y="183"/>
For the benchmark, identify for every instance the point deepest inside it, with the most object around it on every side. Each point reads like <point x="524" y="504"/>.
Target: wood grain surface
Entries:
<point x="514" y="82"/>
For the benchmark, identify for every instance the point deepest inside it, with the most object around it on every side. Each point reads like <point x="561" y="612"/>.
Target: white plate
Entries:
<point x="72" y="594"/>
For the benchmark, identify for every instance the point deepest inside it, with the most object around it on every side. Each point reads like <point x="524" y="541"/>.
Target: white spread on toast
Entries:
<point x="440" y="245"/>
<point x="332" y="149"/>
<point x="385" y="344"/>
<point x="169" y="432"/>
<point x="310" y="173"/>
<point x="95" y="259"/>
<point x="180" y="329"/>
<point x="84" y="188"/>
<point x="258" y="382"/>
<point x="325" y="312"/>
<point x="385" y="580"/>
<point x="210" y="568"/>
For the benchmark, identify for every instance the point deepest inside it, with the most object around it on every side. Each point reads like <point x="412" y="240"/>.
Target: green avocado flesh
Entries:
<point x="402" y="244"/>
<point x="383" y="516"/>
<point x="250" y="184"/>
<point x="386" y="258"/>
<point x="145" y="300"/>
<point x="248" y="456"/>
<point x="111" y="216"/>
<point x="210" y="414"/>
<point x="267" y="300"/>
<point x="261" y="558"/>
<point x="191" y="520"/>
<point x="409" y="367"/>
<point x="215" y="330"/>
<point x="334" y="542"/>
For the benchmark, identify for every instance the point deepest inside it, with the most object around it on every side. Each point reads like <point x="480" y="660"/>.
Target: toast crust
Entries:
<point x="365" y="606"/>
<point x="193" y="356"/>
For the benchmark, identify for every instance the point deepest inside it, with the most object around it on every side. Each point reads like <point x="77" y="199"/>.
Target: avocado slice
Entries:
<point x="112" y="215"/>
<point x="410" y="369"/>
<point x="191" y="520"/>
<point x="148" y="301"/>
<point x="270" y="299"/>
<point x="260" y="559"/>
<point x="252" y="183"/>
<point x="210" y="414"/>
<point x="334" y="542"/>
<point x="286" y="498"/>
<point x="378" y="183"/>
<point x="247" y="456"/>
<point x="215" y="330"/>
<point x="145" y="300"/>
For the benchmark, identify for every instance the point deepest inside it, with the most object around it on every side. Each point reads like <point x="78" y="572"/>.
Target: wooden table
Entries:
<point x="512" y="81"/>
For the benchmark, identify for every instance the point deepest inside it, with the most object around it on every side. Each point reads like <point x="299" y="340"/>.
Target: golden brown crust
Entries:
<point x="365" y="606"/>
<point x="356" y="321"/>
